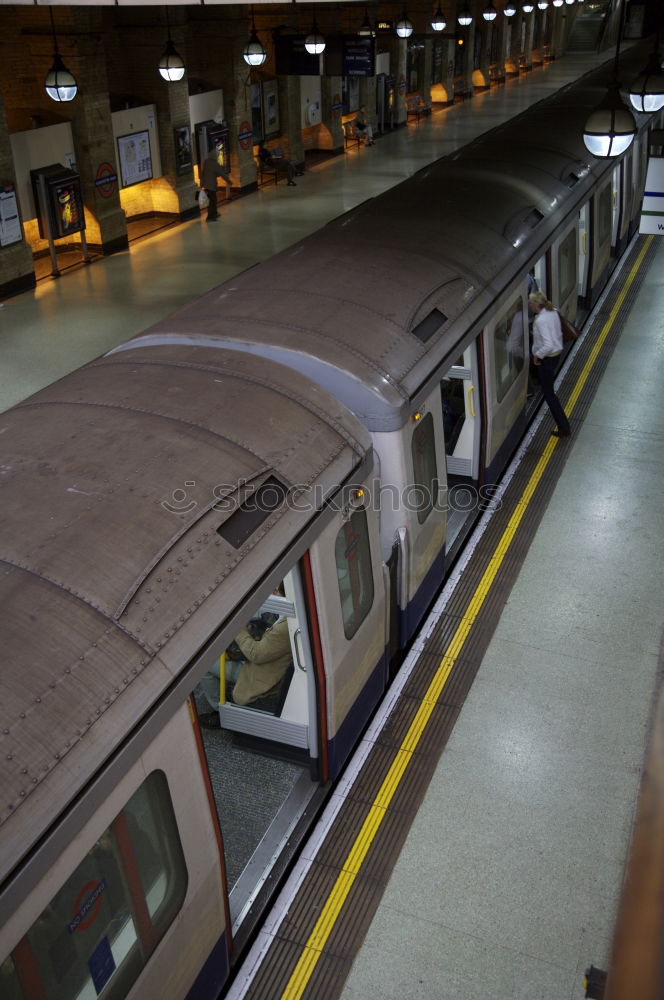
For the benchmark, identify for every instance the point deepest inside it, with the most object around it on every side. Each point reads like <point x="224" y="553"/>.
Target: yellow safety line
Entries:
<point x="313" y="949"/>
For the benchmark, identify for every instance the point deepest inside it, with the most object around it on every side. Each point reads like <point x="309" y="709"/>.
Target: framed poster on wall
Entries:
<point x="135" y="158"/>
<point x="10" y="224"/>
<point x="270" y="108"/>
<point x="183" y="154"/>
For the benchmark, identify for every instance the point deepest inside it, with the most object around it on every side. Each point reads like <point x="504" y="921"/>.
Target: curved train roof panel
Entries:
<point x="121" y="547"/>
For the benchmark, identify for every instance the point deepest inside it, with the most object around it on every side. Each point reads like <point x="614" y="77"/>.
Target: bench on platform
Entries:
<point x="351" y="137"/>
<point x="415" y="107"/>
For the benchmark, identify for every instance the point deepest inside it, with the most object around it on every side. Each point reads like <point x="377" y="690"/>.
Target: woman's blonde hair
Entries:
<point x="540" y="299"/>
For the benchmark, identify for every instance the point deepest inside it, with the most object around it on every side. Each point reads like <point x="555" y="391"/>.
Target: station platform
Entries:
<point x="476" y="844"/>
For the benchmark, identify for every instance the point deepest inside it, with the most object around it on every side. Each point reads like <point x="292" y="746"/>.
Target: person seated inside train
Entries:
<point x="362" y="128"/>
<point x="275" y="160"/>
<point x="261" y="667"/>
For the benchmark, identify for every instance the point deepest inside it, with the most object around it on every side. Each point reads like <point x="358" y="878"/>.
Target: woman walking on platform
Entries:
<point x="547" y="345"/>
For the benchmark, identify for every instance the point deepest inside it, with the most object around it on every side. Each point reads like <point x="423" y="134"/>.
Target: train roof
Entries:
<point x="127" y="542"/>
<point x="376" y="301"/>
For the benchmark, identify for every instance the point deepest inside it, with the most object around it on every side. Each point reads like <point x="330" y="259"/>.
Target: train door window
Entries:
<point x="582" y="231"/>
<point x="509" y="348"/>
<point x="604" y="213"/>
<point x="354" y="574"/>
<point x="423" y="449"/>
<point x="567" y="266"/>
<point x="615" y="202"/>
<point x="461" y="423"/>
<point x="99" y="929"/>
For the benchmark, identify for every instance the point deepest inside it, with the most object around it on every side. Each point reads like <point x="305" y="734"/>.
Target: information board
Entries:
<point x="10" y="224"/>
<point x="135" y="158"/>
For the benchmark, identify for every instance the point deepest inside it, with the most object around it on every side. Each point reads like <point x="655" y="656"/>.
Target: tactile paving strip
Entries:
<point x="331" y="962"/>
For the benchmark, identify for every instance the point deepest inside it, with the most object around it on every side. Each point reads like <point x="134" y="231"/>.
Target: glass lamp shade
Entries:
<point x="610" y="128"/>
<point x="528" y="7"/>
<point x="59" y="84"/>
<point x="171" y="66"/>
<point x="558" y="3"/>
<point x="404" y="28"/>
<point x="465" y="17"/>
<point x="314" y="43"/>
<point x="438" y="22"/>
<point x="490" y="13"/>
<point x="542" y="4"/>
<point x="509" y="10"/>
<point x="647" y="92"/>
<point x="254" y="54"/>
<point x="570" y="2"/>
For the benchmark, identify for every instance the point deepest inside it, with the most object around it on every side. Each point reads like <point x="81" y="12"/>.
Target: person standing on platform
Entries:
<point x="547" y="345"/>
<point x="209" y="173"/>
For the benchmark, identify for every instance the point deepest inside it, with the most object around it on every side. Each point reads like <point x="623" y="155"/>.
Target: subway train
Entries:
<point x="329" y="423"/>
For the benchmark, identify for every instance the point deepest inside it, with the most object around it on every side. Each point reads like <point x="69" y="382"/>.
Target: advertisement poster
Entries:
<point x="135" y="158"/>
<point x="69" y="216"/>
<point x="183" y="155"/>
<point x="270" y="107"/>
<point x="10" y="226"/>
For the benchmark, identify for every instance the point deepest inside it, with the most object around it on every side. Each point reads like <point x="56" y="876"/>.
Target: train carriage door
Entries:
<point x="583" y="246"/>
<point x="349" y="581"/>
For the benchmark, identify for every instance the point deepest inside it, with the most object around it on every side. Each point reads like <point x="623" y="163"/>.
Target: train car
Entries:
<point x="305" y="447"/>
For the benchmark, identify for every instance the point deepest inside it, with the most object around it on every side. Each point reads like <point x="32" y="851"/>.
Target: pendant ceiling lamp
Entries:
<point x="365" y="28"/>
<point x="611" y="127"/>
<point x="404" y="28"/>
<point x="647" y="91"/>
<point x="254" y="54"/>
<point x="528" y="7"/>
<point x="464" y="17"/>
<point x="60" y="84"/>
<point x="438" y="22"/>
<point x="509" y="10"/>
<point x="314" y="43"/>
<point x="490" y="13"/>
<point x="171" y="66"/>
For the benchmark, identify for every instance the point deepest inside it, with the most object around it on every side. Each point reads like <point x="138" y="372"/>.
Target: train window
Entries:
<point x="99" y="929"/>
<point x="354" y="573"/>
<point x="423" y="448"/>
<point x="509" y="348"/>
<point x="604" y="214"/>
<point x="567" y="265"/>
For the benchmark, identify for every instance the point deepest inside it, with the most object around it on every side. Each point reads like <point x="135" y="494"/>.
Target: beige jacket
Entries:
<point x="267" y="659"/>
